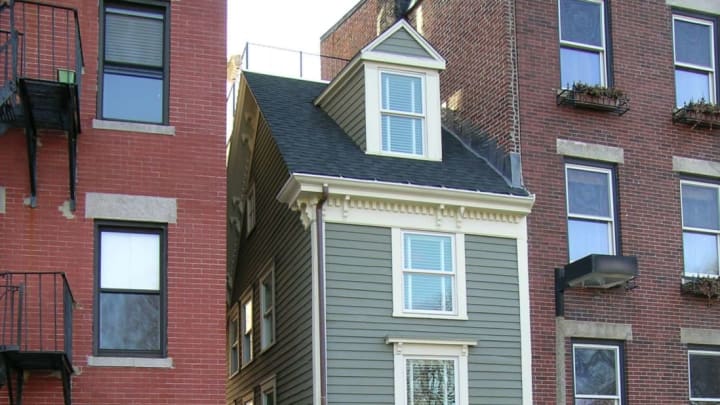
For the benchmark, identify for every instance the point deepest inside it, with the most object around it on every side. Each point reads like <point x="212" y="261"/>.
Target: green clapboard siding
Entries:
<point x="359" y="317"/>
<point x="403" y="44"/>
<point x="290" y="359"/>
<point x="347" y="107"/>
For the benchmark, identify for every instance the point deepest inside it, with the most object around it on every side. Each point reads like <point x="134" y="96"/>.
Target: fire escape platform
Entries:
<point x="53" y="105"/>
<point x="36" y="360"/>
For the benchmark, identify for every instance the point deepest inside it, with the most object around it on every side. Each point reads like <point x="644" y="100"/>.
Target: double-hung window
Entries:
<point x="267" y="390"/>
<point x="234" y="342"/>
<point x="250" y="210"/>
<point x="695" y="58"/>
<point x="701" y="227"/>
<point x="428" y="274"/>
<point x="246" y="323"/>
<point x="267" y="309"/>
<point x="583" y="50"/>
<point x="402" y="113"/>
<point x="704" y="374"/>
<point x="130" y="312"/>
<point x="598" y="374"/>
<point x="134" y="65"/>
<point x="591" y="211"/>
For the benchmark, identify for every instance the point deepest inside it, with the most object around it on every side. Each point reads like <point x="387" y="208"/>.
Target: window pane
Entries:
<point x="691" y="86"/>
<point x="595" y="371"/>
<point x="134" y="38"/>
<point x="700" y="207"/>
<point x="402" y="93"/>
<point x="247" y="316"/>
<point x="704" y="376"/>
<point x="588" y="193"/>
<point x="267" y="293"/>
<point x="700" y="252"/>
<point x="132" y="98"/>
<point x="578" y="66"/>
<point x="268" y="332"/>
<point x="579" y="401"/>
<point x="129" y="321"/>
<point x="581" y="22"/>
<point x="232" y="331"/>
<point x="428" y="252"/>
<point x="234" y="359"/>
<point x="402" y="134"/>
<point x="269" y="398"/>
<point x="425" y="292"/>
<point x="693" y="43"/>
<point x="130" y="260"/>
<point x="587" y="237"/>
<point x="430" y="382"/>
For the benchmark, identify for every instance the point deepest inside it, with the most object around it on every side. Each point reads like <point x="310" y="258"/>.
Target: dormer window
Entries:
<point x="402" y="113"/>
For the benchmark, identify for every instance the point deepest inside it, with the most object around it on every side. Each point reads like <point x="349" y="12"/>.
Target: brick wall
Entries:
<point x="473" y="37"/>
<point x="189" y="166"/>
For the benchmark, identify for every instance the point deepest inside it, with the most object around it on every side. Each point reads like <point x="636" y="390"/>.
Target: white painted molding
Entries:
<point x="130" y="207"/>
<point x="139" y="362"/>
<point x="591" y="151"/>
<point x="696" y="336"/>
<point x="706" y="6"/>
<point x="133" y="127"/>
<point x="445" y="342"/>
<point x="696" y="166"/>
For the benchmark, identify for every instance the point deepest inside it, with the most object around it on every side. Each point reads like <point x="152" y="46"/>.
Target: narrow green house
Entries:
<point x="375" y="256"/>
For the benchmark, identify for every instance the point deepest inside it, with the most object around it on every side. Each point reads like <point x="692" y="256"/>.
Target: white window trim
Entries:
<point x="601" y="50"/>
<point x="699" y="230"/>
<point x="269" y="273"/>
<point x="700" y="352"/>
<point x="265" y="386"/>
<point x="248" y="399"/>
<point x="618" y="365"/>
<point x="460" y="299"/>
<point x="689" y="66"/>
<point x="457" y="351"/>
<point x="431" y="100"/>
<point x="246" y="297"/>
<point x="612" y="242"/>
<point x="234" y="315"/>
<point x="422" y="116"/>
<point x="250" y="211"/>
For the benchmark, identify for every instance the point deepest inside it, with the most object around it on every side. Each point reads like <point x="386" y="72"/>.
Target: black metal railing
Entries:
<point x="36" y="312"/>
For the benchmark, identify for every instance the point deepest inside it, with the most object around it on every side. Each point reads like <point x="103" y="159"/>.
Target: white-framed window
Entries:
<point x="246" y="327"/>
<point x="402" y="113"/>
<point x="590" y="210"/>
<point x="703" y="375"/>
<point x="597" y="374"/>
<point x="701" y="227"/>
<point x="583" y="53"/>
<point x="250" y="211"/>
<point x="267" y="308"/>
<point x="267" y="392"/>
<point x="694" y="50"/>
<point x="428" y="274"/>
<point x="248" y="399"/>
<point x="233" y="341"/>
<point x="430" y="373"/>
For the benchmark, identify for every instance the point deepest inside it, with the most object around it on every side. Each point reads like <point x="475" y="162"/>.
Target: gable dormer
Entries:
<point x="387" y="99"/>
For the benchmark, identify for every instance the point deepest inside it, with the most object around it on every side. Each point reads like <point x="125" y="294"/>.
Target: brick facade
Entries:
<point x="476" y="39"/>
<point x="189" y="167"/>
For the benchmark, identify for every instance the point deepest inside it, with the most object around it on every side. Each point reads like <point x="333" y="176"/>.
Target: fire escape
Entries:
<point x="41" y="64"/>
<point x="36" y="312"/>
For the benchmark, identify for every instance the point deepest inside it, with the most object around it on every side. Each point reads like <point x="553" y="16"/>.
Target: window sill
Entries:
<point x="266" y="348"/>
<point x="133" y="127"/>
<point x="139" y="362"/>
<point x="431" y="316"/>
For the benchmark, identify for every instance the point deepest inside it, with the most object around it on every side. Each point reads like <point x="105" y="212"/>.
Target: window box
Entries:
<point x="708" y="287"/>
<point x="597" y="98"/>
<point x="698" y="114"/>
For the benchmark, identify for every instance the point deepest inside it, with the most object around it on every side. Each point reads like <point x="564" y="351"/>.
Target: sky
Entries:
<point x="289" y="24"/>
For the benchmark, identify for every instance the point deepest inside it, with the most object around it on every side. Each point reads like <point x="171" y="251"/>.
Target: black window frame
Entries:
<point x="622" y="358"/>
<point x="615" y="200"/>
<point x="607" y="31"/>
<point x="156" y="6"/>
<point x="698" y="348"/>
<point x="131" y="227"/>
<point x="715" y="21"/>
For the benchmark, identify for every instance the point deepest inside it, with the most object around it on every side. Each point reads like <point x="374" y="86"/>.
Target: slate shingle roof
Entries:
<point x="312" y="143"/>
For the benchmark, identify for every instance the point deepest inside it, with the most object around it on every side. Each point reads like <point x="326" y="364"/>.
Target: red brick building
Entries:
<point x="112" y="202"/>
<point x="612" y="108"/>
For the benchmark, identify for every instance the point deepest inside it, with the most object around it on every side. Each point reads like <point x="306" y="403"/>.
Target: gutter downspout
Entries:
<point x="321" y="292"/>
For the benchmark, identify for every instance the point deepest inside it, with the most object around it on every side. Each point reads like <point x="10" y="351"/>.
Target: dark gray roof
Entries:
<point x="312" y="143"/>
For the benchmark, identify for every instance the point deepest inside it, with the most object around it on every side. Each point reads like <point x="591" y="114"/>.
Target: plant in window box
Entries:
<point x="702" y="286"/>
<point x="700" y="113"/>
<point x="594" y="97"/>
